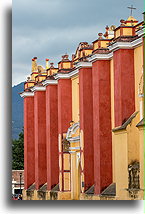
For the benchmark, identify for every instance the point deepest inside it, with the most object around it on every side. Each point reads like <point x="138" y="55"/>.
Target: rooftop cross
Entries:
<point x="131" y="8"/>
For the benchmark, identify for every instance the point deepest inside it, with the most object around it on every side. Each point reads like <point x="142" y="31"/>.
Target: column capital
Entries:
<point x="50" y="82"/>
<point x="26" y="94"/>
<point x="38" y="88"/>
<point x="96" y="57"/>
<point x="83" y="65"/>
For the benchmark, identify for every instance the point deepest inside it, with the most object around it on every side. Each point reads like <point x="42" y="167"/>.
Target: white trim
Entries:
<point x="120" y="45"/>
<point x="26" y="94"/>
<point x="71" y="152"/>
<point x="74" y="139"/>
<point x="100" y="57"/>
<point x="61" y="76"/>
<point x="74" y="148"/>
<point x="126" y="45"/>
<point x="38" y="88"/>
<point x="141" y="95"/>
<point x="66" y="75"/>
<point x="83" y="65"/>
<point x="74" y="73"/>
<point x="137" y="42"/>
<point x="141" y="32"/>
<point x="116" y="46"/>
<point x="50" y="82"/>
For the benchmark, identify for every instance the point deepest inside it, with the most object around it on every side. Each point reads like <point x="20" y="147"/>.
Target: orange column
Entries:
<point x="52" y="135"/>
<point x="86" y="124"/>
<point x="29" y="145"/>
<point x="102" y="136"/>
<point x="40" y="136"/>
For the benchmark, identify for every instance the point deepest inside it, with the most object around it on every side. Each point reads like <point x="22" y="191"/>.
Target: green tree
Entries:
<point x="18" y="152"/>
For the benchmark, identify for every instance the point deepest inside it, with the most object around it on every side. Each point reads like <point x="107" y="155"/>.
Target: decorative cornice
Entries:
<point x="117" y="45"/>
<point x="61" y="76"/>
<point x="100" y="57"/>
<point x="137" y="42"/>
<point x="38" y="88"/>
<point x="83" y="65"/>
<point x="66" y="75"/>
<point x="120" y="45"/>
<point x="50" y="82"/>
<point x="126" y="45"/>
<point x="26" y="94"/>
<point x="141" y="32"/>
<point x="74" y="73"/>
<point x="124" y="126"/>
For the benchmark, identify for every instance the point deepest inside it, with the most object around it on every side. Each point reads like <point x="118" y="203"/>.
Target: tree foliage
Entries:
<point x="18" y="152"/>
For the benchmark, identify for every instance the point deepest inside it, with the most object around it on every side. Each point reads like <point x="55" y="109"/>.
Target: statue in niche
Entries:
<point x="66" y="145"/>
<point x="133" y="179"/>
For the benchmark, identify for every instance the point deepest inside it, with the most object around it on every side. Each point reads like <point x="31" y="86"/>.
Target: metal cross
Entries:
<point x="131" y="8"/>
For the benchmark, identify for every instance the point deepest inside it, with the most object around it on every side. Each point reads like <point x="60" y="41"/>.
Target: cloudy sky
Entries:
<point x="51" y="28"/>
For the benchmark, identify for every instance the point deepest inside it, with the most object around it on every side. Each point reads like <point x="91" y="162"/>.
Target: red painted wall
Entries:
<point x="40" y="138"/>
<point x="52" y="136"/>
<point x="102" y="136"/>
<point x="64" y="105"/>
<point x="29" y="145"/>
<point x="86" y="123"/>
<point x="124" y="85"/>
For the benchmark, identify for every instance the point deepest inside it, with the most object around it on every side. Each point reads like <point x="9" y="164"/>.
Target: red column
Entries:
<point x="102" y="136"/>
<point x="64" y="105"/>
<point x="86" y="123"/>
<point x="40" y="138"/>
<point x="29" y="145"/>
<point x="52" y="136"/>
<point x="64" y="114"/>
<point x="124" y="86"/>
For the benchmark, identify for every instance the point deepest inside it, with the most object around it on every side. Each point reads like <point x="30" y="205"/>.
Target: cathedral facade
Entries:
<point x="83" y="121"/>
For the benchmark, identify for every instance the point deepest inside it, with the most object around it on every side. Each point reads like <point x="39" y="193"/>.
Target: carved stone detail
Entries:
<point x="133" y="179"/>
<point x="66" y="145"/>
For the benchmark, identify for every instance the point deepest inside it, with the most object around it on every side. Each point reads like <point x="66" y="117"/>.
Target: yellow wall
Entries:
<point x="75" y="99"/>
<point x="127" y="149"/>
<point x="30" y="84"/>
<point x="66" y="65"/>
<point x="87" y="52"/>
<point x="96" y="45"/>
<point x="118" y="33"/>
<point x="141" y="158"/>
<point x="133" y="140"/>
<point x="138" y="66"/>
<point x="127" y="31"/>
<point x="54" y="71"/>
<point x="66" y="159"/>
<point x="104" y="44"/>
<point x="121" y="164"/>
<point x="33" y="76"/>
<point x="41" y="78"/>
<point x="66" y="180"/>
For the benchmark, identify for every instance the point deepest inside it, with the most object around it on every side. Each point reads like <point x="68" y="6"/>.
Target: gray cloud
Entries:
<point x="50" y="28"/>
